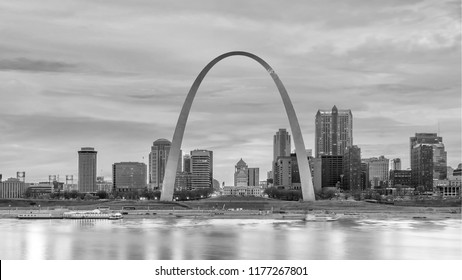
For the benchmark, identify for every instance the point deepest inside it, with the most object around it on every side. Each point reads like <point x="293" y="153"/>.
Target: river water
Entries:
<point x="189" y="239"/>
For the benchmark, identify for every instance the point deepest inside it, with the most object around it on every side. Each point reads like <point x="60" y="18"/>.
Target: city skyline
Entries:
<point x="115" y="80"/>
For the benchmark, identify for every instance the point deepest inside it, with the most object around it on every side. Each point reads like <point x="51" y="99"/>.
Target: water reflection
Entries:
<point x="229" y="239"/>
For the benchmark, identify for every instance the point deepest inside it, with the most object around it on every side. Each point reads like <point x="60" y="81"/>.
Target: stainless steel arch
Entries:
<point x="174" y="154"/>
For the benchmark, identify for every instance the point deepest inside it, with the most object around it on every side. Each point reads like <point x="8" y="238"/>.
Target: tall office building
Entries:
<point x="396" y="164"/>
<point x="378" y="171"/>
<point x="87" y="170"/>
<point x="283" y="172"/>
<point x="334" y="131"/>
<point x="187" y="163"/>
<point x="129" y="176"/>
<point x="281" y="148"/>
<point x="240" y="169"/>
<point x="428" y="159"/>
<point x="158" y="162"/>
<point x="202" y="169"/>
<point x="254" y="176"/>
<point x="331" y="170"/>
<point x="352" y="169"/>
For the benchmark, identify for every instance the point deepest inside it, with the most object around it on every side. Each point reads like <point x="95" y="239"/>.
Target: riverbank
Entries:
<point x="230" y="208"/>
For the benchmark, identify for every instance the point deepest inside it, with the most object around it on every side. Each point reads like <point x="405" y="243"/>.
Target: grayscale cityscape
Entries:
<point x="173" y="130"/>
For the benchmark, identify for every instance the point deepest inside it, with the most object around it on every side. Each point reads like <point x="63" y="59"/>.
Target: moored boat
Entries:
<point x="321" y="217"/>
<point x="37" y="216"/>
<point x="115" y="216"/>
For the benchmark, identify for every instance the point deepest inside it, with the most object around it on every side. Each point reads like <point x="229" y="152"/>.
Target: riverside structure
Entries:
<point x="172" y="162"/>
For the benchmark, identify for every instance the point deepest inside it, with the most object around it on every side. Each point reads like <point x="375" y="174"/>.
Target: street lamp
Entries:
<point x="39" y="208"/>
<point x="9" y="209"/>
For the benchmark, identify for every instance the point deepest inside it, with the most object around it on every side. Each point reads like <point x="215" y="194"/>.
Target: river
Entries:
<point x="233" y="239"/>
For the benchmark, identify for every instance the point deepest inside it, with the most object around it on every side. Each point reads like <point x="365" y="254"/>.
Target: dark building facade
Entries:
<point x="428" y="159"/>
<point x="352" y="169"/>
<point x="129" y="176"/>
<point x="201" y="169"/>
<point x="400" y="177"/>
<point x="331" y="171"/>
<point x="87" y="170"/>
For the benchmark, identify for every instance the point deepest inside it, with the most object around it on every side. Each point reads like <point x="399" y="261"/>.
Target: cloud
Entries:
<point x="25" y="64"/>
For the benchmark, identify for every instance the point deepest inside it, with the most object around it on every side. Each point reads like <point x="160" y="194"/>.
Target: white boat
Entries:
<point x="115" y="216"/>
<point x="36" y="216"/>
<point x="94" y="214"/>
<point x="321" y="217"/>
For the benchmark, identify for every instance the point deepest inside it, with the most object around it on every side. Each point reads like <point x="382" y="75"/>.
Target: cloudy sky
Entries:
<point x="114" y="74"/>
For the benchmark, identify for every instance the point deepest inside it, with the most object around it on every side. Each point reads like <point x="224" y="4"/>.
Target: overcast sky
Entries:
<point x="114" y="74"/>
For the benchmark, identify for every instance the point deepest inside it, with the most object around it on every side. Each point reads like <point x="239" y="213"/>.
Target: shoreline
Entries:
<point x="415" y="213"/>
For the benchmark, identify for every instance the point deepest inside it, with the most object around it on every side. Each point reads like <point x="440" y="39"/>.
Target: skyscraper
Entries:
<point x="396" y="164"/>
<point x="187" y="163"/>
<point x="281" y="144"/>
<point x="158" y="162"/>
<point x="352" y="169"/>
<point x="334" y="131"/>
<point x="87" y="170"/>
<point x="202" y="169"/>
<point x="254" y="176"/>
<point x="331" y="170"/>
<point x="241" y="168"/>
<point x="428" y="159"/>
<point x="281" y="148"/>
<point x="128" y="176"/>
<point x="378" y="171"/>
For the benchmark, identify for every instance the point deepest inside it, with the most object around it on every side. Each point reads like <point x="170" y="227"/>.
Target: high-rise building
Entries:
<point x="202" y="169"/>
<point x="240" y="166"/>
<point x="281" y="144"/>
<point x="254" y="176"/>
<point x="158" y="162"/>
<point x="428" y="159"/>
<point x="334" y="131"/>
<point x="331" y="170"/>
<point x="365" y="184"/>
<point x="129" y="176"/>
<point x="187" y="163"/>
<point x="283" y="172"/>
<point x="352" y="169"/>
<point x="87" y="170"/>
<point x="396" y="164"/>
<point x="378" y="171"/>
<point x="281" y="148"/>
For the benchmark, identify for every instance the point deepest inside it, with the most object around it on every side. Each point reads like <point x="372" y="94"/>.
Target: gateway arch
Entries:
<point x="174" y="154"/>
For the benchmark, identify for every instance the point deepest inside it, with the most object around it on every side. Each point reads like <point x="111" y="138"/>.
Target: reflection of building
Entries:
<point x="12" y="188"/>
<point x="428" y="159"/>
<point x="334" y="131"/>
<point x="378" y="171"/>
<point x="243" y="190"/>
<point x="129" y="176"/>
<point x="201" y="169"/>
<point x="352" y="169"/>
<point x="87" y="170"/>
